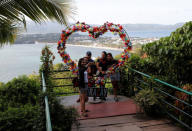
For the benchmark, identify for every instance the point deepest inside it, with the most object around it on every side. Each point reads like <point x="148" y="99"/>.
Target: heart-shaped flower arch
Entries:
<point x="94" y="32"/>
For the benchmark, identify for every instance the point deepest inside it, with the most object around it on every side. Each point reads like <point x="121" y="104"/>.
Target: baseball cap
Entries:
<point x="89" y="53"/>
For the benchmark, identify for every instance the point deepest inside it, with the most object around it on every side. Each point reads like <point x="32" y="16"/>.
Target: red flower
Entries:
<point x="120" y="27"/>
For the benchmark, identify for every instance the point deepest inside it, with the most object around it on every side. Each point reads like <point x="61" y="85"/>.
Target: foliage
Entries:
<point x="62" y="118"/>
<point x="1" y="84"/>
<point x="169" y="60"/>
<point x="23" y="118"/>
<point x="47" y="59"/>
<point x="34" y="77"/>
<point x="117" y="57"/>
<point x="64" y="89"/>
<point x="172" y="55"/>
<point x="46" y="68"/>
<point x="8" y="32"/>
<point x="13" y="14"/>
<point x="128" y="77"/>
<point x="18" y="92"/>
<point x="20" y="105"/>
<point x="183" y="96"/>
<point x="149" y="100"/>
<point x="61" y="66"/>
<point x="182" y="106"/>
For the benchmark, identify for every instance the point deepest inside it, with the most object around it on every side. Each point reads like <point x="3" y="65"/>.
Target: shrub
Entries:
<point x="128" y="77"/>
<point x="20" y="91"/>
<point x="172" y="55"/>
<point x="1" y="84"/>
<point x="62" y="117"/>
<point x="20" y="105"/>
<point x="61" y="66"/>
<point x="183" y="96"/>
<point x="149" y="100"/>
<point x="23" y="118"/>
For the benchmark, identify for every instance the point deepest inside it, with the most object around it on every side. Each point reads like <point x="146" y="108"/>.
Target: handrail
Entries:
<point x="187" y="113"/>
<point x="47" y="112"/>
<point x="162" y="82"/>
<point x="57" y="71"/>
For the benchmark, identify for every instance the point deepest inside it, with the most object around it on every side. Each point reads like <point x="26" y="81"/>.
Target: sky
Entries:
<point x="133" y="11"/>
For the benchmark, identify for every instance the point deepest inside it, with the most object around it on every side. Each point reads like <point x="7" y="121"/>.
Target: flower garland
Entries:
<point x="100" y="81"/>
<point x="94" y="32"/>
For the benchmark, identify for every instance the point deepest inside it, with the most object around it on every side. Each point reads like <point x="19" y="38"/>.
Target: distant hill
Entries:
<point x="151" y="27"/>
<point x="53" y="27"/>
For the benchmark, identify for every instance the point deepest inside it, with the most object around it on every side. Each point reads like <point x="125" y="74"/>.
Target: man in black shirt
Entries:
<point x="89" y="55"/>
<point x="91" y="63"/>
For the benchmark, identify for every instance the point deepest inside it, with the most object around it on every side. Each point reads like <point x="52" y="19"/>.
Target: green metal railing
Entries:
<point x="68" y="87"/>
<point x="47" y="113"/>
<point x="141" y="78"/>
<point x="69" y="90"/>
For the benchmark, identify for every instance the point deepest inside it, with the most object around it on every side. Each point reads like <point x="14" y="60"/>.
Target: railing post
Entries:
<point x="186" y="112"/>
<point x="190" y="111"/>
<point x="47" y="112"/>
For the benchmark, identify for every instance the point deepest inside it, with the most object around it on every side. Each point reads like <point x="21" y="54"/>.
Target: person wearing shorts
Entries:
<point x="83" y="84"/>
<point x="115" y="76"/>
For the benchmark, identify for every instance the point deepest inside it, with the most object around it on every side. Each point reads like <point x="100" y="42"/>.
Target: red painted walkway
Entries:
<point x="110" y="109"/>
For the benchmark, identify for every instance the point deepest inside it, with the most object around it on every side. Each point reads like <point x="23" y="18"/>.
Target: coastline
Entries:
<point x="98" y="47"/>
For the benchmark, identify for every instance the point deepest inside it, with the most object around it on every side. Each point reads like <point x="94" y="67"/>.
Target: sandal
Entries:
<point x="84" y="115"/>
<point x="85" y="111"/>
<point x="116" y="99"/>
<point x="78" y="100"/>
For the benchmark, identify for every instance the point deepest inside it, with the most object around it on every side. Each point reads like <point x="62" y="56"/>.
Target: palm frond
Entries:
<point x="8" y="32"/>
<point x="13" y="13"/>
<point x="36" y="10"/>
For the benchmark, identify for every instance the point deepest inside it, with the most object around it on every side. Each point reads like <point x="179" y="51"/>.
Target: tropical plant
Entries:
<point x="14" y="12"/>
<point x="149" y="100"/>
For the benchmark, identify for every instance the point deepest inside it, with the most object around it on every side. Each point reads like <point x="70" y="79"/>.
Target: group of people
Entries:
<point x="88" y="68"/>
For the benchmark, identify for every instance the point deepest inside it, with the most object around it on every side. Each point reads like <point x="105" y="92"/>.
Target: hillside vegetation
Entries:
<point x="172" y="56"/>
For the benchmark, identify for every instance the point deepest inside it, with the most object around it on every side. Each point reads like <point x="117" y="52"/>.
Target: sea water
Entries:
<point x="19" y="59"/>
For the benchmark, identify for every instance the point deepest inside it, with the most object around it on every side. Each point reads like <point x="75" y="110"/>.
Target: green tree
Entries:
<point x="14" y="12"/>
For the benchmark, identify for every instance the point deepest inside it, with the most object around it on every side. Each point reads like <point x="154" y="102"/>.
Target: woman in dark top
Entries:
<point x="83" y="81"/>
<point x="115" y="76"/>
<point x="102" y="64"/>
<point x="102" y="68"/>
